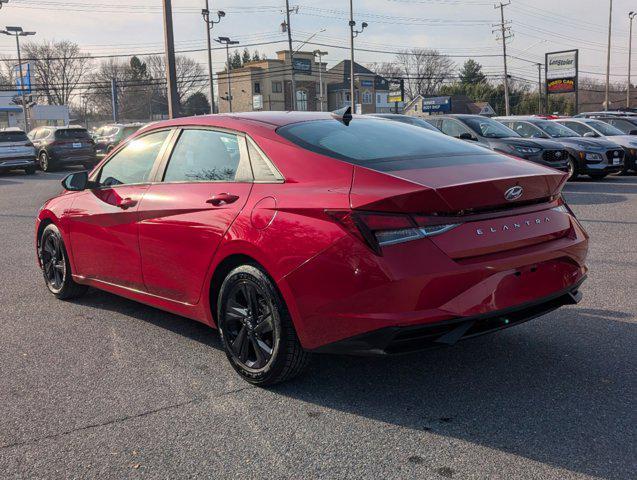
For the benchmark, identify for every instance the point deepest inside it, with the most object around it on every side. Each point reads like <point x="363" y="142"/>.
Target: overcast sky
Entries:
<point x="462" y="28"/>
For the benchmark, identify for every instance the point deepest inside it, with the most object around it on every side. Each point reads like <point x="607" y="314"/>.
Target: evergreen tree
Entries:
<point x="235" y="60"/>
<point x="471" y="73"/>
<point x="256" y="57"/>
<point x="245" y="57"/>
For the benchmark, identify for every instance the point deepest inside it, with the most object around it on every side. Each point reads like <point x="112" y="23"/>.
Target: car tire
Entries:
<point x="56" y="267"/>
<point x="30" y="170"/>
<point x="45" y="162"/>
<point x="572" y="168"/>
<point x="598" y="176"/>
<point x="256" y="329"/>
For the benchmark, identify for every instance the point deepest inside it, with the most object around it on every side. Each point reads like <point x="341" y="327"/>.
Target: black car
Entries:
<point x="109" y="136"/>
<point x="494" y="135"/>
<point x="415" y="121"/>
<point x="62" y="146"/>
<point x="16" y="151"/>
<point x="595" y="157"/>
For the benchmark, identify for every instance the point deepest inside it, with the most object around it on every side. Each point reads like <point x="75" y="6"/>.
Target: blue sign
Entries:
<point x="302" y="65"/>
<point x="23" y="79"/>
<point x="436" y="104"/>
<point x="367" y="83"/>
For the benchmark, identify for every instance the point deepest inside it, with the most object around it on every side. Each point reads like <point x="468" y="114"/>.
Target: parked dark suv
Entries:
<point x="58" y="146"/>
<point x="109" y="136"/>
<point x="494" y="135"/>
<point x="595" y="157"/>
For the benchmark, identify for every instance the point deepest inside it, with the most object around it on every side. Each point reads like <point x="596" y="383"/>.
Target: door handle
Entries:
<point x="222" y="198"/>
<point x="127" y="203"/>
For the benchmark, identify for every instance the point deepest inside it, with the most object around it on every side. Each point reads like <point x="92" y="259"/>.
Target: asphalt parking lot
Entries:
<point x="105" y="387"/>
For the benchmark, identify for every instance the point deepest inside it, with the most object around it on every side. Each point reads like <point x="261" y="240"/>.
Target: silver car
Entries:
<point x="16" y="151"/>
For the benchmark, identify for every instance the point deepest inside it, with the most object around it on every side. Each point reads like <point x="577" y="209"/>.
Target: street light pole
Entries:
<point x="227" y="42"/>
<point x="353" y="34"/>
<point x="205" y="13"/>
<point x="631" y="16"/>
<point x="320" y="56"/>
<point x="539" y="89"/>
<point x="610" y="27"/>
<point x="17" y="32"/>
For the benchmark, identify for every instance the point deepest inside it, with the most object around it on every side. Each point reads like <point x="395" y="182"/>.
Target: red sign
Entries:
<point x="561" y="85"/>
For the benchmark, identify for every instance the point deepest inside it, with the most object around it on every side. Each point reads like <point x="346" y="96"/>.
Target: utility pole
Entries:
<point x="171" y="70"/>
<point x="227" y="42"/>
<point x="610" y="27"/>
<point x="17" y="32"/>
<point x="320" y="56"/>
<point x="114" y="105"/>
<point x="505" y="33"/>
<point x="205" y="13"/>
<point x="631" y="16"/>
<point x="539" y="88"/>
<point x="353" y="34"/>
<point x="288" y="27"/>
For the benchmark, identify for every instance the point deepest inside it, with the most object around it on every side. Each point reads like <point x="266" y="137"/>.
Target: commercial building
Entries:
<point x="371" y="90"/>
<point x="267" y="84"/>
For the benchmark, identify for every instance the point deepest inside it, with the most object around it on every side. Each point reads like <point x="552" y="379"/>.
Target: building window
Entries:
<point x="277" y="87"/>
<point x="301" y="100"/>
<point x="347" y="97"/>
<point x="367" y="98"/>
<point x="257" y="87"/>
<point x="378" y="102"/>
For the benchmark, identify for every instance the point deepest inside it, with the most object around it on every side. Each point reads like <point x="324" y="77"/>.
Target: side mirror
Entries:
<point x="591" y="134"/>
<point x="76" y="182"/>
<point x="466" y="136"/>
<point x="632" y="132"/>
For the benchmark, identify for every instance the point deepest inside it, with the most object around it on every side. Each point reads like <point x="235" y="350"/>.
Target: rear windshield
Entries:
<point x="382" y="145"/>
<point x="13" y="137"/>
<point x="70" y="133"/>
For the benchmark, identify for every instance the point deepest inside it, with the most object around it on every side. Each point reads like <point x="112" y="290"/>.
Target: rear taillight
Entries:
<point x="383" y="229"/>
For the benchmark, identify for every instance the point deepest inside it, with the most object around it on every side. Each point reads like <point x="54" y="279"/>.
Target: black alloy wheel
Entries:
<point x="56" y="267"/>
<point x="249" y="326"/>
<point x="53" y="261"/>
<point x="256" y="330"/>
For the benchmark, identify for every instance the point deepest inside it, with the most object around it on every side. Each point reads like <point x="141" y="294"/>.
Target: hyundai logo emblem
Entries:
<point x="513" y="193"/>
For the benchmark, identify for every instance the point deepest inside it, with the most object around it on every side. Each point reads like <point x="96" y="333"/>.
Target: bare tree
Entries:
<point x="58" y="69"/>
<point x="386" y="69"/>
<point x="191" y="77"/>
<point x="424" y="71"/>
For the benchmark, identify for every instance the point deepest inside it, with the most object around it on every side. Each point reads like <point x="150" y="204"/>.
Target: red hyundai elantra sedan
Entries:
<point x="295" y="233"/>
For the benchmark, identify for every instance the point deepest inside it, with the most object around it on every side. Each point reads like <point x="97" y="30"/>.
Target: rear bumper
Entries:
<point x="19" y="162"/>
<point x="402" y="340"/>
<point x="62" y="159"/>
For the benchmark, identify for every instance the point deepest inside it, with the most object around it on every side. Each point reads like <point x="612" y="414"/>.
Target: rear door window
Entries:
<point x="208" y="156"/>
<point x="453" y="128"/>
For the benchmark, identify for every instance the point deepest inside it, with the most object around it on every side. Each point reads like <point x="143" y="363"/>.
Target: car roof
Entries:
<point x="246" y="121"/>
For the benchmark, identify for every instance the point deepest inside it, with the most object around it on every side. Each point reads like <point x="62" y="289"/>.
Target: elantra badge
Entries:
<point x="513" y="193"/>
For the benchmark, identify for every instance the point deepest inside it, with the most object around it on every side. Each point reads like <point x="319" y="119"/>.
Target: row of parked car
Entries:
<point x="594" y="144"/>
<point x="52" y="147"/>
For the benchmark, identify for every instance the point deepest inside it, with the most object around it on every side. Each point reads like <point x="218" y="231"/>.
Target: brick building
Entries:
<point x="267" y="84"/>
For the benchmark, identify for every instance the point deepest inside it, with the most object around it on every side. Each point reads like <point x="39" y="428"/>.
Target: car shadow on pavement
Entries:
<point x="541" y="390"/>
<point x="549" y="398"/>
<point x="581" y="198"/>
<point x="185" y="327"/>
